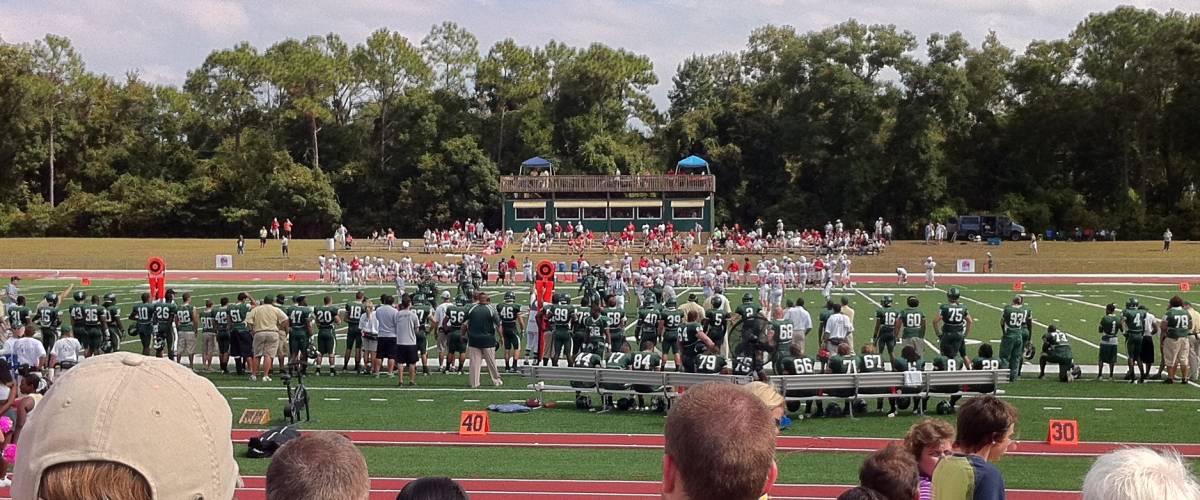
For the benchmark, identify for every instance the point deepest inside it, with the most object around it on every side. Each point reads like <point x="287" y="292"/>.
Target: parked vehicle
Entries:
<point x="967" y="227"/>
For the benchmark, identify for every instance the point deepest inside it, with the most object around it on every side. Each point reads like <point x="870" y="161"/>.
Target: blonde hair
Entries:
<point x="108" y="480"/>
<point x="1139" y="474"/>
<point x="765" y="393"/>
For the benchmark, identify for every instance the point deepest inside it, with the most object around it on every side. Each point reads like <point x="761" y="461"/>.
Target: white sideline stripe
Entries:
<point x="425" y="400"/>
<point x="1051" y="407"/>
<point x="238" y="399"/>
<point x="1154" y="409"/>
<point x="1110" y="409"/>
<point x="378" y="399"/>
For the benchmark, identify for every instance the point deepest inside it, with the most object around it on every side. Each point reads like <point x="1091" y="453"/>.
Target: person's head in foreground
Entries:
<point x="318" y="466"/>
<point x="861" y="493"/>
<point x="891" y="472"/>
<point x="771" y="400"/>
<point x="127" y="427"/>
<point x="1139" y="474"/>
<point x="985" y="433"/>
<point x="725" y="455"/>
<point x="928" y="441"/>
<point x="985" y="427"/>
<point x="432" y="488"/>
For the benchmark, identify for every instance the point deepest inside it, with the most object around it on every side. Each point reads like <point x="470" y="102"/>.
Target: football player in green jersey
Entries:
<point x="646" y="360"/>
<point x="208" y="332"/>
<point x="985" y="361"/>
<point x="870" y="361"/>
<point x="559" y="319"/>
<point x="780" y="341"/>
<point x="93" y="327"/>
<point x="18" y="317"/>
<point x="326" y="316"/>
<point x="886" y="318"/>
<point x="143" y="323"/>
<point x="224" y="334"/>
<point x="596" y="326"/>
<point x="692" y="342"/>
<point x="354" y="311"/>
<point x="749" y="319"/>
<point x="511" y="326"/>
<point x="456" y="345"/>
<point x="241" y="342"/>
<point x="911" y="324"/>
<point x="579" y="333"/>
<point x="1015" y="324"/>
<point x="186" y="316"/>
<point x="801" y="365"/>
<point x="672" y="322"/>
<point x="716" y="322"/>
<point x="166" y="324"/>
<point x="954" y="324"/>
<point x="1178" y="325"/>
<point x="424" y="313"/>
<point x="1057" y="349"/>
<point x="910" y="360"/>
<point x="616" y="324"/>
<point x="712" y="362"/>
<point x="823" y="317"/>
<point x="1134" y="320"/>
<point x="649" y="321"/>
<point x="112" y="315"/>
<point x="1110" y="327"/>
<point x="75" y="312"/>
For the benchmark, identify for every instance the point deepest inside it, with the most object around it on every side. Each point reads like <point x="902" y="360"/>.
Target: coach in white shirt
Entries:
<point x="386" y="319"/>
<point x="838" y="330"/>
<point x="27" y="350"/>
<point x="801" y="323"/>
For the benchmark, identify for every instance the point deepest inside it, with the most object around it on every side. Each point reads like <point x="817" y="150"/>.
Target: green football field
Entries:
<point x="1106" y="410"/>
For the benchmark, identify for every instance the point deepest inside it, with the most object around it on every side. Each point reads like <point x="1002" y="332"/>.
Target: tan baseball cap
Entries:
<point x="150" y="414"/>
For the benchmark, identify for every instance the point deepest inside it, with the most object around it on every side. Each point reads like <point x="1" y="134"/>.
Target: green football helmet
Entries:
<point x="671" y="303"/>
<point x="1132" y="303"/>
<point x="110" y="299"/>
<point x="953" y="293"/>
<point x="887" y="301"/>
<point x="52" y="298"/>
<point x="747" y="298"/>
<point x="510" y="297"/>
<point x="79" y="296"/>
<point x="461" y="300"/>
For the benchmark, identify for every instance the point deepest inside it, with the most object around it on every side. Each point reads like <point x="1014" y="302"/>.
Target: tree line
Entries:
<point x="1097" y="129"/>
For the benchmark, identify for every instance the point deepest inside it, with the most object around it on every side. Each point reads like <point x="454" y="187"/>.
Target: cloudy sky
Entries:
<point x="163" y="39"/>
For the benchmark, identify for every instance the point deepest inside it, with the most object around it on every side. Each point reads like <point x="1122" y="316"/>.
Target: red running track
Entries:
<point x="508" y="489"/>
<point x="654" y="441"/>
<point x="881" y="278"/>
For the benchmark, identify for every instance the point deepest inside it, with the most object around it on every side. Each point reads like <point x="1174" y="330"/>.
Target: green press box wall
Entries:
<point x="615" y="225"/>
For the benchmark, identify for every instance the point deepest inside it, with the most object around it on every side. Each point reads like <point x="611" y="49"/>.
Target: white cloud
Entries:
<point x="164" y="38"/>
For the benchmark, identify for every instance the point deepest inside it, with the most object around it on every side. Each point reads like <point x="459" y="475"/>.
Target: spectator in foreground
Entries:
<point x="697" y="463"/>
<point x="985" y="429"/>
<point x="87" y="448"/>
<point x="860" y="493"/>
<point x="891" y="472"/>
<point x="928" y="441"/>
<point x="1139" y="474"/>
<point x="432" y="488"/>
<point x="318" y="466"/>
<point x="771" y="399"/>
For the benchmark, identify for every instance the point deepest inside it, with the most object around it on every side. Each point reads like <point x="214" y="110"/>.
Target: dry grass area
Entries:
<point x="1055" y="257"/>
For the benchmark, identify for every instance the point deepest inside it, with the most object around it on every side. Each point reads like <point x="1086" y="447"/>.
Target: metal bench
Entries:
<point x="610" y="382"/>
<point x="823" y="384"/>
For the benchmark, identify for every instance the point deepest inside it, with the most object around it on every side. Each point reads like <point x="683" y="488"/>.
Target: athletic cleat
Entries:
<point x="253" y="378"/>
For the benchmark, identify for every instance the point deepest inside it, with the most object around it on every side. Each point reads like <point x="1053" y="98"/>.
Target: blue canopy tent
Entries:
<point x="692" y="164"/>
<point x="536" y="163"/>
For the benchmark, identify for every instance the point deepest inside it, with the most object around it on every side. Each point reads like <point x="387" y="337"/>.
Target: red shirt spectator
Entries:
<point x="275" y="224"/>
<point x="734" y="267"/>
<point x="457" y="225"/>
<point x="819" y="264"/>
<point x="643" y="263"/>
<point x="355" y="264"/>
<point x="287" y="226"/>
<point x="512" y="263"/>
<point x="537" y="228"/>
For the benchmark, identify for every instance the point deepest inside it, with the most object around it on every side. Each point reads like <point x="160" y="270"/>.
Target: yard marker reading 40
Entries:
<point x="474" y="423"/>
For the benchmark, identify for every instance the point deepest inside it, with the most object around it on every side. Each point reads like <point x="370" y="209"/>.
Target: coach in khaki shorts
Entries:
<point x="122" y="418"/>
<point x="265" y="321"/>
